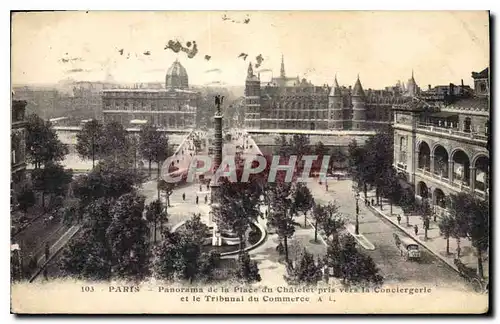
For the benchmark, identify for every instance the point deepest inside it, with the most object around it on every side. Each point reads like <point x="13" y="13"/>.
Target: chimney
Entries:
<point x="429" y="87"/>
<point x="462" y="82"/>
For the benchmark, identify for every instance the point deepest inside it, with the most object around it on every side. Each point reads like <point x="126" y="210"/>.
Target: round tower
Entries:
<point x="335" y="107"/>
<point x="252" y="100"/>
<point x="358" y="106"/>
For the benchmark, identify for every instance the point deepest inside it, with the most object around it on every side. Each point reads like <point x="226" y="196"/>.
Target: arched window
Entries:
<point x="467" y="125"/>
<point x="403" y="143"/>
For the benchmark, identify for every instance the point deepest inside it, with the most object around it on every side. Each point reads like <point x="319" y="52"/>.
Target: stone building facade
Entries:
<point x="18" y="140"/>
<point x="291" y="103"/>
<point x="441" y="142"/>
<point x="173" y="107"/>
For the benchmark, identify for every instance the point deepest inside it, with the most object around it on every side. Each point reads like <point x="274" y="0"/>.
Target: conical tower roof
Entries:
<point x="358" y="89"/>
<point x="336" y="91"/>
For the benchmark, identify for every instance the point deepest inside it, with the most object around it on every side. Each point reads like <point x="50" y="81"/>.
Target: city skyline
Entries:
<point x="352" y="42"/>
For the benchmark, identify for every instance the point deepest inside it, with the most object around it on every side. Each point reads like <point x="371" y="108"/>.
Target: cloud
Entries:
<point x="78" y="70"/>
<point x="213" y="70"/>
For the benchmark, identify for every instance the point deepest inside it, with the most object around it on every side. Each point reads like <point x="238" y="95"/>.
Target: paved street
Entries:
<point x="379" y="231"/>
<point x="430" y="270"/>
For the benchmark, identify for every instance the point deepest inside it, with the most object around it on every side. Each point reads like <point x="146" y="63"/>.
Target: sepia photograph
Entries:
<point x="250" y="162"/>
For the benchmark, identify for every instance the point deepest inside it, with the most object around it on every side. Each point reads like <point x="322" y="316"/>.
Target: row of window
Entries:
<point x="167" y="121"/>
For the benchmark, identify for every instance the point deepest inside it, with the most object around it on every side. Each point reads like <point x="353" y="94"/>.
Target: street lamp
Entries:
<point x="357" y="213"/>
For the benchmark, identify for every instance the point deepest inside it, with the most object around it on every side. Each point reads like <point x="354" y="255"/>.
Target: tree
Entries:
<point x="447" y="226"/>
<point x="115" y="143"/>
<point x="337" y="157"/>
<point x="180" y="255"/>
<point x="26" y="199"/>
<point x="237" y="207"/>
<point x="302" y="200"/>
<point x="168" y="189"/>
<point x="472" y="217"/>
<point x="391" y="187"/>
<point x="407" y="202"/>
<point x="167" y="255"/>
<point x="307" y="270"/>
<point x="154" y="213"/>
<point x="320" y="216"/>
<point x="153" y="146"/>
<point x="425" y="213"/>
<point x="378" y="158"/>
<point x="128" y="237"/>
<point x="349" y="264"/>
<point x="196" y="229"/>
<point x="42" y="142"/>
<point x="320" y="149"/>
<point x="88" y="256"/>
<point x="107" y="179"/>
<point x="52" y="179"/>
<point x="247" y="269"/>
<point x="71" y="212"/>
<point x="197" y="144"/>
<point x="208" y="263"/>
<point x="333" y="222"/>
<point x="357" y="165"/>
<point x="89" y="140"/>
<point x="280" y="216"/>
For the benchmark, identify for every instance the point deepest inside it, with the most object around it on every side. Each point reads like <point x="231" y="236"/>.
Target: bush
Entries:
<point x="247" y="270"/>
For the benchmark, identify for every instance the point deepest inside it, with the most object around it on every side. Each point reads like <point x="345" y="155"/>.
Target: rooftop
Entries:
<point x="148" y="90"/>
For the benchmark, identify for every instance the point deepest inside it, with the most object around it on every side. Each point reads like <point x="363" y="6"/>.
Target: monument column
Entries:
<point x="216" y="162"/>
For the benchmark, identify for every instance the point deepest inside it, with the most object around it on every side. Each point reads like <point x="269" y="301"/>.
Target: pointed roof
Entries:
<point x="250" y="75"/>
<point x="335" y="91"/>
<point x="358" y="89"/>
<point x="282" y="69"/>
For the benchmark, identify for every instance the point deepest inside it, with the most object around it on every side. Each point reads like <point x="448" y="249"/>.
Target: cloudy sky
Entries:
<point x="381" y="46"/>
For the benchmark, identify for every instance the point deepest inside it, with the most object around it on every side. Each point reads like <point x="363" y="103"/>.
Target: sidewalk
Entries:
<point x="435" y="243"/>
<point x="271" y="268"/>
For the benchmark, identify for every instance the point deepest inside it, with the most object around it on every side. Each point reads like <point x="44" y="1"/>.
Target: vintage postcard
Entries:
<point x="265" y="162"/>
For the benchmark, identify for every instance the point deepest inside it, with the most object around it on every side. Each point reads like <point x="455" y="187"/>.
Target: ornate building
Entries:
<point x="291" y="103"/>
<point x="441" y="141"/>
<point x="173" y="107"/>
<point x="18" y="141"/>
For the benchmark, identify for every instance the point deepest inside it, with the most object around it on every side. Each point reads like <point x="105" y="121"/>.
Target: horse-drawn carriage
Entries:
<point x="478" y="284"/>
<point x="408" y="248"/>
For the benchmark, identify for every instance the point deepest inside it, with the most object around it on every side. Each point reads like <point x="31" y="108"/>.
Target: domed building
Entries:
<point x="172" y="107"/>
<point x="176" y="77"/>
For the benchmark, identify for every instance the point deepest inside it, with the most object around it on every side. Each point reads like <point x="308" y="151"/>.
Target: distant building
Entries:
<point x="175" y="106"/>
<point x="441" y="141"/>
<point x="291" y="103"/>
<point x="18" y="143"/>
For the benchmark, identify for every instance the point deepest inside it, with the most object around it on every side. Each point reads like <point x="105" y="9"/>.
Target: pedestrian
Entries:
<point x="326" y="187"/>
<point x="200" y="188"/>
<point x="399" y="219"/>
<point x="266" y="213"/>
<point x="208" y="186"/>
<point x="367" y="203"/>
<point x="183" y="196"/>
<point x="47" y="251"/>
<point x="458" y="251"/>
<point x="373" y="202"/>
<point x="197" y="200"/>
<point x="416" y="229"/>
<point x="206" y="199"/>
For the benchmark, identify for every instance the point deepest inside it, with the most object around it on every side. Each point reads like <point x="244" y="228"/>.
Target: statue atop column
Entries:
<point x="218" y="102"/>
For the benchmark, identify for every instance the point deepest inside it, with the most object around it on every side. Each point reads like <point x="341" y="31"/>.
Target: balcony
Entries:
<point x="453" y="132"/>
<point x="455" y="185"/>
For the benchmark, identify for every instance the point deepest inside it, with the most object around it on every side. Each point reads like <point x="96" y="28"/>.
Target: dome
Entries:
<point x="176" y="77"/>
